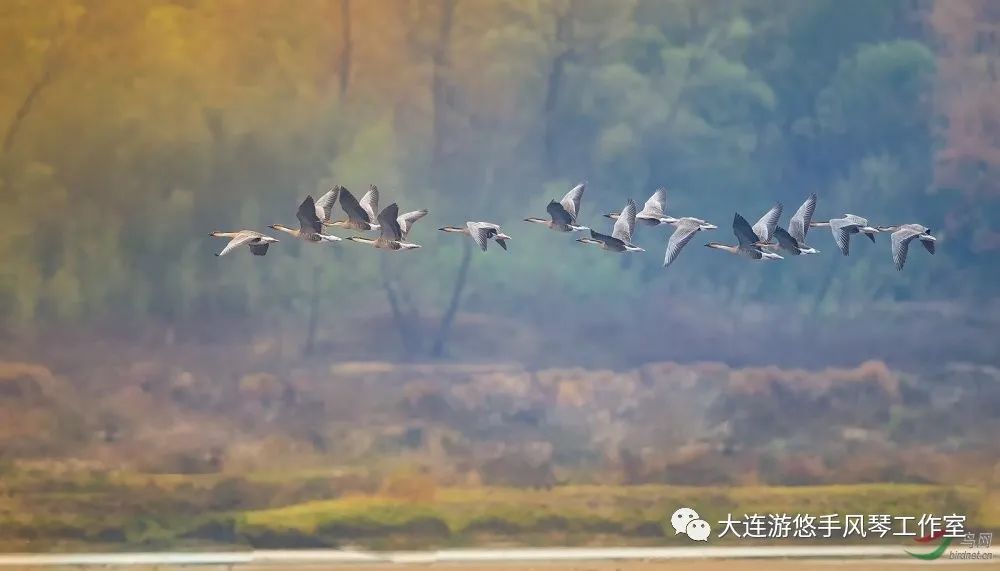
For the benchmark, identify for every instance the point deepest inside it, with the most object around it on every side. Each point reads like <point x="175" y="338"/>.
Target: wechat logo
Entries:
<point x="688" y="522"/>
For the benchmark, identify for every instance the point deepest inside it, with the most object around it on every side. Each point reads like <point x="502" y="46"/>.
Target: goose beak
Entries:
<point x="929" y="238"/>
<point x="709" y="227"/>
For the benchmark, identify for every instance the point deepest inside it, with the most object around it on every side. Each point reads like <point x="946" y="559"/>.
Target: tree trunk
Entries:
<point x="439" y="84"/>
<point x="346" y="47"/>
<point x="310" y="345"/>
<point x="448" y="319"/>
<point x="553" y="83"/>
<point x="405" y="324"/>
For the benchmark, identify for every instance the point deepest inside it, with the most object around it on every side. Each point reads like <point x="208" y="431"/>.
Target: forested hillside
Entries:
<point x="128" y="130"/>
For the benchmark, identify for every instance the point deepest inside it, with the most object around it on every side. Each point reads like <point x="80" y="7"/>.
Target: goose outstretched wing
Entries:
<point x="657" y="204"/>
<point x="625" y="225"/>
<point x="308" y="221"/>
<point x="388" y="223"/>
<point x="798" y="224"/>
<point x="571" y="202"/>
<point x="744" y="232"/>
<point x="370" y="202"/>
<point x="324" y="205"/>
<point x="352" y="208"/>
<point x="407" y="220"/>
<point x="764" y="228"/>
<point x="681" y="236"/>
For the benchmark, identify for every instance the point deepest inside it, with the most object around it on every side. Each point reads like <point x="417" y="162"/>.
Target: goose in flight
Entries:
<point x="842" y="228"/>
<point x="620" y="239"/>
<point x="360" y="214"/>
<point x="563" y="214"/>
<point x="748" y="240"/>
<point x="685" y="229"/>
<point x="902" y="235"/>
<point x="653" y="213"/>
<point x="257" y="242"/>
<point x="392" y="234"/>
<point x="793" y="240"/>
<point x="481" y="233"/>
<point x="310" y="227"/>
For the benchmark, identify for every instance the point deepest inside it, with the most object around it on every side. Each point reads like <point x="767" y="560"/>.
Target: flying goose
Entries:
<point x="653" y="213"/>
<point x="257" y="242"/>
<point x="481" y="233"/>
<point x="686" y="228"/>
<point x="310" y="226"/>
<point x="325" y="203"/>
<point x="842" y="228"/>
<point x="748" y="240"/>
<point x="793" y="240"/>
<point x="563" y="214"/>
<point x="392" y="235"/>
<point x="902" y="235"/>
<point x="360" y="215"/>
<point x="620" y="239"/>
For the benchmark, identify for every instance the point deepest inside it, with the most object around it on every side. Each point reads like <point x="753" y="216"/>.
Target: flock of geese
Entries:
<point x="762" y="241"/>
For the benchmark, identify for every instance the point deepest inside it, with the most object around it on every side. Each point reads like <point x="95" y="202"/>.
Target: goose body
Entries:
<point x="563" y="214"/>
<point x="748" y="241"/>
<point x="620" y="239"/>
<point x="902" y="235"/>
<point x="481" y="233"/>
<point x="310" y="227"/>
<point x="392" y="234"/>
<point x="257" y="242"/>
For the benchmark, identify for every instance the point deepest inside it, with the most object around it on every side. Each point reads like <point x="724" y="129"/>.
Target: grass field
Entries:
<point x="131" y="512"/>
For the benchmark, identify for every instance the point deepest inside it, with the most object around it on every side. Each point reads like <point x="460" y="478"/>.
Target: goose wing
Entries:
<point x="841" y="234"/>
<point x="388" y="223"/>
<point x="798" y="225"/>
<point x="571" y="202"/>
<point x="625" y="225"/>
<point x="308" y="221"/>
<point x="787" y="241"/>
<point x="764" y="228"/>
<point x="743" y="231"/>
<point x="324" y="205"/>
<point x="481" y="233"/>
<point x="259" y="249"/>
<point x="240" y="239"/>
<point x="928" y="245"/>
<point x="657" y="204"/>
<point x="901" y="244"/>
<point x="681" y="236"/>
<point x="557" y="211"/>
<point x="352" y="208"/>
<point x="370" y="202"/>
<point x="407" y="220"/>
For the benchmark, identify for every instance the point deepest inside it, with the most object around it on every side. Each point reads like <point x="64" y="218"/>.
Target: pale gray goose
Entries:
<point x="310" y="227"/>
<point x="257" y="242"/>
<point x="563" y="214"/>
<point x="481" y="233"/>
